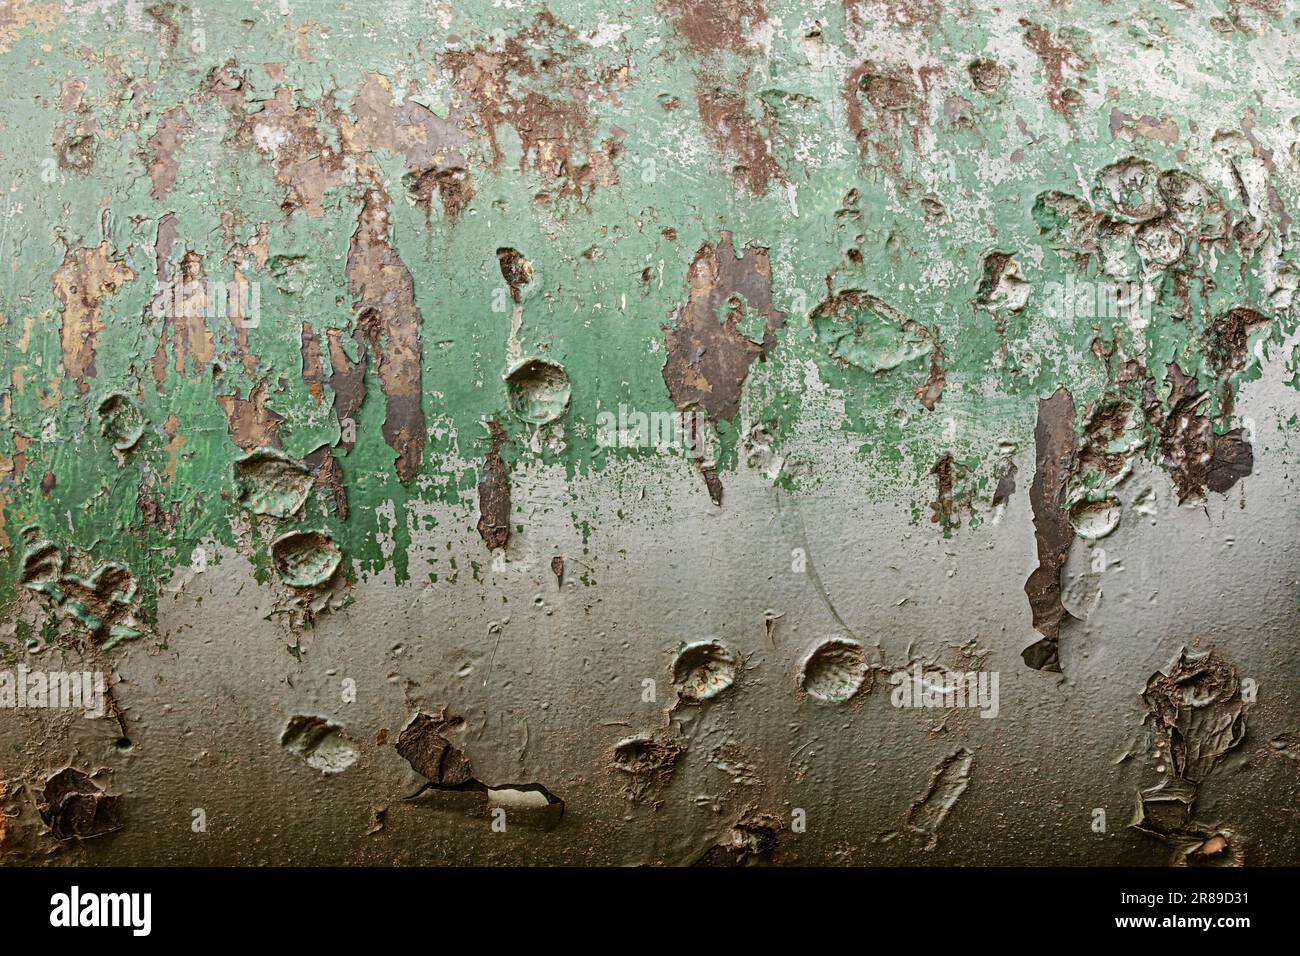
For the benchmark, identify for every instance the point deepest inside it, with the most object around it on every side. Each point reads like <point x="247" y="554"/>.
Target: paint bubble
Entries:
<point x="1128" y="189"/>
<point x="74" y="807"/>
<point x="703" y="670"/>
<point x="1159" y="243"/>
<point x="1223" y="848"/>
<point x="986" y="75"/>
<point x="269" y="482"/>
<point x="517" y="271"/>
<point x="305" y="559"/>
<point x="1095" y="519"/>
<point x="834" y="671"/>
<point x="647" y="761"/>
<point x="539" y="390"/>
<point x="320" y="742"/>
<point x="1192" y="204"/>
<point x="120" y="421"/>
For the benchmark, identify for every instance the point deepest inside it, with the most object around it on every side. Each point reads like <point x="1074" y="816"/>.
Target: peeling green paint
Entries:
<point x="180" y="217"/>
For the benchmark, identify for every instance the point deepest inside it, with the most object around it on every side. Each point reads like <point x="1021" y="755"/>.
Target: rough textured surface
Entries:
<point x="662" y="389"/>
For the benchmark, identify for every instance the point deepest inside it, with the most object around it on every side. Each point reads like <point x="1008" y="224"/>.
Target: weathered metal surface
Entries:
<point x="660" y="432"/>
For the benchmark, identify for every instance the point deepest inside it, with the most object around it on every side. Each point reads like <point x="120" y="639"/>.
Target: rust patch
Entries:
<point x="74" y="148"/>
<point x="173" y="126"/>
<point x="1128" y="128"/>
<point x="164" y="14"/>
<point x="1062" y="67"/>
<point x="986" y="76"/>
<point x="894" y="97"/>
<point x="750" y="842"/>
<point x="1196" y="711"/>
<point x="74" y="807"/>
<point x="1196" y="716"/>
<point x="555" y="132"/>
<point x="80" y="284"/>
<point x="1228" y="339"/>
<point x="328" y="474"/>
<point x="708" y="356"/>
<point x="1006" y="486"/>
<point x="1195" y="457"/>
<point x="289" y="135"/>
<point x="348" y="383"/>
<point x="424" y="745"/>
<point x="250" y="422"/>
<point x="735" y="134"/>
<point x="717" y="26"/>
<point x="313" y="369"/>
<point x="1106" y="424"/>
<point x="943" y="509"/>
<point x="516" y="270"/>
<point x="384" y="297"/>
<point x="931" y="392"/>
<point x="648" y="761"/>
<point x="494" y="493"/>
<point x="434" y="148"/>
<point x="1055" y="445"/>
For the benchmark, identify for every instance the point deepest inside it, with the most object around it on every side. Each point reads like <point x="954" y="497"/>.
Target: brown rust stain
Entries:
<point x="182" y="301"/>
<point x="749" y="842"/>
<point x="289" y="136"/>
<point x="313" y="368"/>
<point x="708" y="356"/>
<point x="434" y="148"/>
<point x="80" y="284"/>
<point x="516" y="270"/>
<point x="734" y="133"/>
<point x="424" y="745"/>
<point x="943" y="510"/>
<point x="931" y="392"/>
<point x="506" y="87"/>
<point x="347" y="382"/>
<point x="164" y="165"/>
<point x="1196" y="716"/>
<point x="897" y="100"/>
<point x="1195" y="457"/>
<point x="74" y="807"/>
<point x="648" y="760"/>
<point x="1105" y="424"/>
<point x="1055" y="444"/>
<point x="1006" y="486"/>
<point x="715" y="27"/>
<point x="1228" y="339"/>
<point x="494" y="493"/>
<point x="1163" y="129"/>
<point x="1062" y="66"/>
<point x="383" y="294"/>
<point x="328" y="474"/>
<point x="251" y="423"/>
